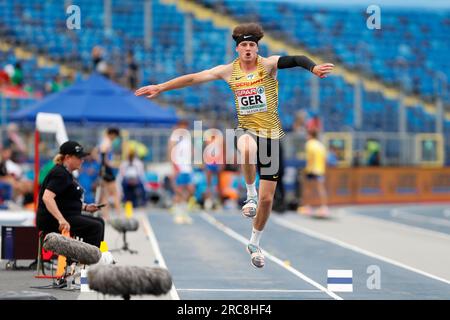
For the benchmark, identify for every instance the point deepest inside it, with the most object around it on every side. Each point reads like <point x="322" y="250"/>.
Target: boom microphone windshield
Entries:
<point x="82" y="252"/>
<point x="124" y="224"/>
<point x="129" y="280"/>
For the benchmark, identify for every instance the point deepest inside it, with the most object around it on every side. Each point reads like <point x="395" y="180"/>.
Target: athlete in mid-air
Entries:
<point x="252" y="79"/>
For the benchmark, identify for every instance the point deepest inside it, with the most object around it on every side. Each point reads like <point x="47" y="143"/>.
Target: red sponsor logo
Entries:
<point x="246" y="92"/>
<point x="249" y="83"/>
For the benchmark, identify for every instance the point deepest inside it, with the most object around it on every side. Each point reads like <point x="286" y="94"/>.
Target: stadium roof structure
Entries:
<point x="99" y="100"/>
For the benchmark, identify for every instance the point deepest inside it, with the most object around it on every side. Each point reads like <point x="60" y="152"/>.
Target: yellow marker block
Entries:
<point x="61" y="266"/>
<point x="104" y="247"/>
<point x="61" y="259"/>
<point x="128" y="209"/>
<point x="287" y="263"/>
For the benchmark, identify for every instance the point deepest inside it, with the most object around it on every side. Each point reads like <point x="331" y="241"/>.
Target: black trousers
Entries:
<point x="90" y="229"/>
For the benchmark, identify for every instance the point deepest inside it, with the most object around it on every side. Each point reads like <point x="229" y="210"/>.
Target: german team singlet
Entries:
<point x="256" y="99"/>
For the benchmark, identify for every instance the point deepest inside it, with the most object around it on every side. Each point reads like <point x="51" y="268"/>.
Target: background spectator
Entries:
<point x="15" y="143"/>
<point x="17" y="77"/>
<point x="132" y="72"/>
<point x="131" y="177"/>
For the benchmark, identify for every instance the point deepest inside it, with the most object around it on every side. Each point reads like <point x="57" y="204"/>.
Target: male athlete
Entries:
<point x="252" y="79"/>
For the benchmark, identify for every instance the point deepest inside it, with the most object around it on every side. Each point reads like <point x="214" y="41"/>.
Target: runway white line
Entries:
<point x="250" y="290"/>
<point x="402" y="214"/>
<point x="271" y="257"/>
<point x="154" y="243"/>
<point x="397" y="224"/>
<point x="311" y="233"/>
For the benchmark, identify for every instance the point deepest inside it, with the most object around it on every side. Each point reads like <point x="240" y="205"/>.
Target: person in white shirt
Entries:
<point x="180" y="156"/>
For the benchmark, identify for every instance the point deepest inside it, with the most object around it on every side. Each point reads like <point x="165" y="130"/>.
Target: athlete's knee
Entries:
<point x="265" y="200"/>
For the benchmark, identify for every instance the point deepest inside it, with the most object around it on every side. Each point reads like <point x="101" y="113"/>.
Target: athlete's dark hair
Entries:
<point x="253" y="29"/>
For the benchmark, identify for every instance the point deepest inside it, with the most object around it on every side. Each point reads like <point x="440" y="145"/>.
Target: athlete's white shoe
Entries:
<point x="256" y="255"/>
<point x="249" y="207"/>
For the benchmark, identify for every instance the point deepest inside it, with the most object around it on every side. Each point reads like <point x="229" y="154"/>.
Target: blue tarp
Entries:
<point x="98" y="99"/>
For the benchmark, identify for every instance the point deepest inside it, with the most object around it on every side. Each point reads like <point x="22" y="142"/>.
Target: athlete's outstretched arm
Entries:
<point x="284" y="62"/>
<point x="183" y="81"/>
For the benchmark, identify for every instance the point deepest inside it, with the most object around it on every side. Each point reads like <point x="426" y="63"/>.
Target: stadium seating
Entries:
<point x="407" y="51"/>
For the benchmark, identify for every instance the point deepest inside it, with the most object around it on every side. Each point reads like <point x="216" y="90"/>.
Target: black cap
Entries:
<point x="72" y="148"/>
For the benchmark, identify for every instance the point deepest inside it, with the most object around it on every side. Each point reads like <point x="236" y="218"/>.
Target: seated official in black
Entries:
<point x="61" y="199"/>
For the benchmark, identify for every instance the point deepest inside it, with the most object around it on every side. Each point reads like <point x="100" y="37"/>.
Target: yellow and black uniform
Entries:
<point x="315" y="159"/>
<point x="256" y="99"/>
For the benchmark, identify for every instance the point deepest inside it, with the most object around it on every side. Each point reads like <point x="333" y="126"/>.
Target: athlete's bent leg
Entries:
<point x="266" y="193"/>
<point x="248" y="149"/>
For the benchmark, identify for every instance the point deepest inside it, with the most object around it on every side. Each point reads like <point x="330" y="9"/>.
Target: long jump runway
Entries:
<point x="430" y="217"/>
<point x="208" y="260"/>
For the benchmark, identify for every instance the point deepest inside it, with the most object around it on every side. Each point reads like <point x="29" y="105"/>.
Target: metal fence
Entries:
<point x="395" y="149"/>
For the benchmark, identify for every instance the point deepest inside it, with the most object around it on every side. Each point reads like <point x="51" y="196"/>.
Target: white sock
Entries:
<point x="251" y="190"/>
<point x="256" y="236"/>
